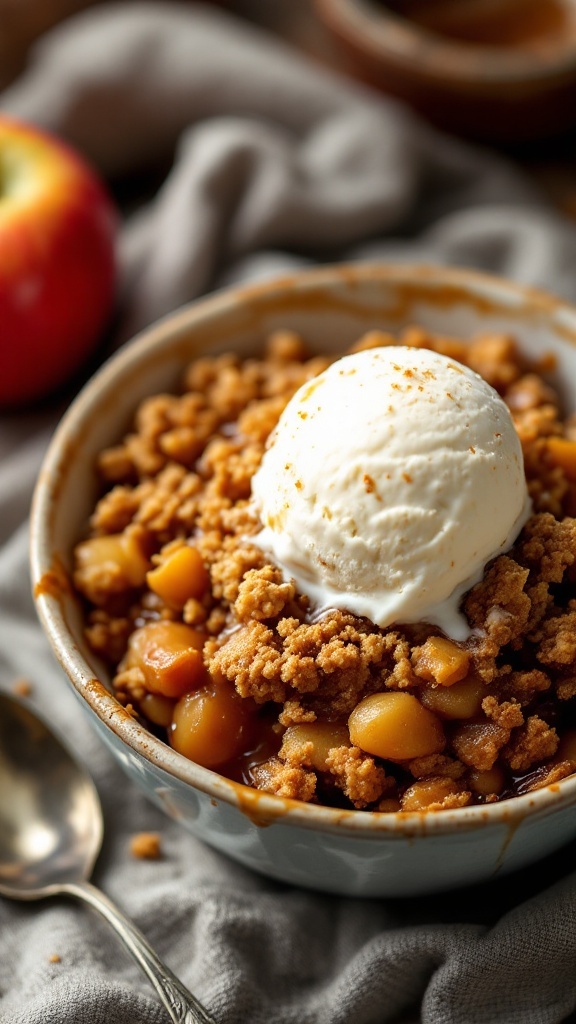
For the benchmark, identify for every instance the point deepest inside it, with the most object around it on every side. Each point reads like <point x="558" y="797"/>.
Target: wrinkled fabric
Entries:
<point x="246" y="161"/>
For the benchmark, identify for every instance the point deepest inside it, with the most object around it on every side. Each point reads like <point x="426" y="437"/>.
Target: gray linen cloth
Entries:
<point x="250" y="160"/>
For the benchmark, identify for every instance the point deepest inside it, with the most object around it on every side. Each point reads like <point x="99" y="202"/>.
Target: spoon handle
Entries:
<point x="182" y="1006"/>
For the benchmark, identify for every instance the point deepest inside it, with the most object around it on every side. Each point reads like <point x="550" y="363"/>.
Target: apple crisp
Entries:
<point x="221" y="655"/>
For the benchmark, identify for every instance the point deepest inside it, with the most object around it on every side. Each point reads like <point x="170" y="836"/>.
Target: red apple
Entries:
<point x="57" y="264"/>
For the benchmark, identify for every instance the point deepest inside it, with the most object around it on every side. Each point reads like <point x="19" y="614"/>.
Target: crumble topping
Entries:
<point x="181" y="479"/>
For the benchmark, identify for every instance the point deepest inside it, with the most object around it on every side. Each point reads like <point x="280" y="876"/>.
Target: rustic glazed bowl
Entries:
<point x="501" y="94"/>
<point x="347" y="852"/>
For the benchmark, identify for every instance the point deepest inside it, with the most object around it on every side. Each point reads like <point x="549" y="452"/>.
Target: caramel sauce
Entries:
<point x="527" y="782"/>
<point x="54" y="583"/>
<point x="250" y="801"/>
<point x="266" y="744"/>
<point x="532" y="25"/>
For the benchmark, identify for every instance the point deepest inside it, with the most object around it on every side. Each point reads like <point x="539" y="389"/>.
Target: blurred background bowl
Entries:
<point x="502" y="71"/>
<point x="348" y="852"/>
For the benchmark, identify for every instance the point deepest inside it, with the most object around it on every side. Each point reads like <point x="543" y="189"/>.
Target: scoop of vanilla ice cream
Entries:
<point x="390" y="481"/>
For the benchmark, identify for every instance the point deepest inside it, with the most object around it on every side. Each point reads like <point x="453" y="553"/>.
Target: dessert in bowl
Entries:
<point x="386" y="759"/>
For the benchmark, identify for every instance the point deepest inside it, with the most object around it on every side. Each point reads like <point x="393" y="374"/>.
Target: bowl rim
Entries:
<point x="260" y="807"/>
<point x="385" y="33"/>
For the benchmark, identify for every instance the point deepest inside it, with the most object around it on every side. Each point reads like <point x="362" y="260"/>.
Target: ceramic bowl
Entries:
<point x="347" y="852"/>
<point x="495" y="93"/>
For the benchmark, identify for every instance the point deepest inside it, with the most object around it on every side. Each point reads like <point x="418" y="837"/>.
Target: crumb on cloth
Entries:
<point x="146" y="846"/>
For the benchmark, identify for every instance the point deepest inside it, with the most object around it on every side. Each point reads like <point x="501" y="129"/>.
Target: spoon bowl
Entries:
<point x="51" y="831"/>
<point x="50" y="816"/>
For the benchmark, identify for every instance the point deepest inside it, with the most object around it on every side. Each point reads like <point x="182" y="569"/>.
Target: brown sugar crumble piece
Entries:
<point x="146" y="846"/>
<point x="285" y="780"/>
<point x="501" y="706"/>
<point x="359" y="777"/>
<point x="535" y="742"/>
<point x="263" y="594"/>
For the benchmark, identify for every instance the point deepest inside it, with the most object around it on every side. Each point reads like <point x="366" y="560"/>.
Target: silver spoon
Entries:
<point x="50" y="835"/>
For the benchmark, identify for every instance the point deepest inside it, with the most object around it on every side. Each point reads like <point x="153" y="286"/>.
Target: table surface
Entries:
<point x="553" y="166"/>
